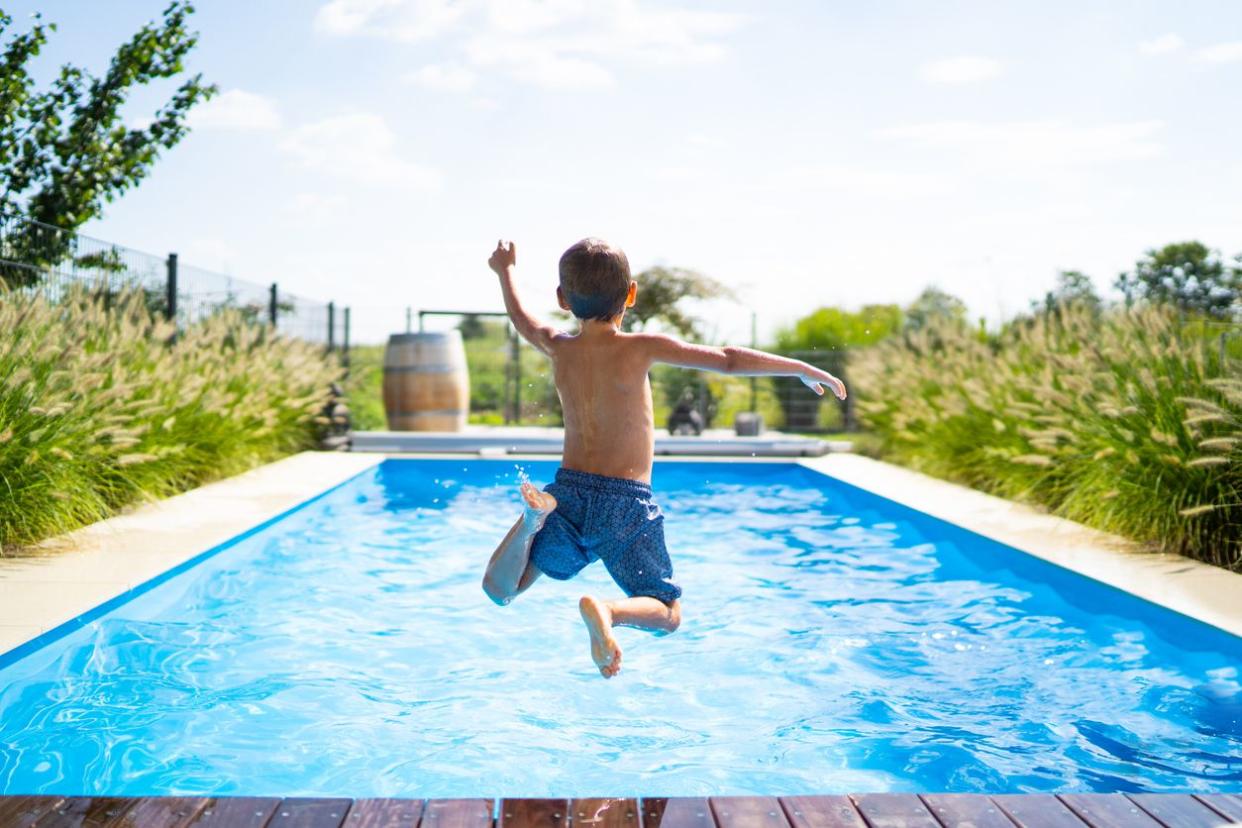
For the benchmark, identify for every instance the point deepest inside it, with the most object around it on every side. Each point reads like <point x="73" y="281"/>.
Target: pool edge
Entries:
<point x="85" y="573"/>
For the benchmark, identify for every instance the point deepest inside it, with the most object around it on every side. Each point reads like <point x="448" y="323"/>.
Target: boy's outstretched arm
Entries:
<point x="503" y="260"/>
<point x="739" y="361"/>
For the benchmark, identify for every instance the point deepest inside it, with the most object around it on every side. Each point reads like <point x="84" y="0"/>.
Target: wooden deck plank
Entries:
<point x="605" y="812"/>
<point x="1108" y="811"/>
<point x="894" y="811"/>
<point x="533" y="813"/>
<point x="163" y="812"/>
<point x="384" y="813"/>
<point x="974" y="810"/>
<point x="676" y="812"/>
<point x="1038" y="811"/>
<point x="310" y="812"/>
<point x="1227" y="805"/>
<point x="458" y="813"/>
<point x="1177" y="810"/>
<point x="24" y="811"/>
<point x="821" y="812"/>
<point x="87" y="812"/>
<point x="748" y="812"/>
<point x="236" y="812"/>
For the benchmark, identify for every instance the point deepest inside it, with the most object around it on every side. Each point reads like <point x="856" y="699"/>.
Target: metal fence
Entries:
<point x="37" y="258"/>
<point x="785" y="403"/>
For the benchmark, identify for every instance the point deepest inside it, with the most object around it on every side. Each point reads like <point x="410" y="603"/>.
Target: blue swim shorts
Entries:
<point x="610" y="519"/>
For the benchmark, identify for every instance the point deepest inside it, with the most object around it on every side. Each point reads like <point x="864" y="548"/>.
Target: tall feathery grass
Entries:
<point x="100" y="407"/>
<point x="1128" y="421"/>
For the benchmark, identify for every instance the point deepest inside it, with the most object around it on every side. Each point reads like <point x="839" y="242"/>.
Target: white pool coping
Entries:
<point x="76" y="573"/>
<point x="517" y="440"/>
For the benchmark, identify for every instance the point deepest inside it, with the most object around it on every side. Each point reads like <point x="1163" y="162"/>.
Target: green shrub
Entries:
<point x="364" y="388"/>
<point x="1123" y="420"/>
<point x="100" y="407"/>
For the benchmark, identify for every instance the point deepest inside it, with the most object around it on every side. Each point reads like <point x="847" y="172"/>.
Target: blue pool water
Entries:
<point x="832" y="641"/>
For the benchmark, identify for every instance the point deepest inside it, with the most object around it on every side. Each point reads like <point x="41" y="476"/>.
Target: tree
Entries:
<point x="472" y="327"/>
<point x="1187" y="275"/>
<point x="933" y="304"/>
<point x="661" y="291"/>
<point x="1074" y="288"/>
<point x="66" y="150"/>
<point x="831" y="329"/>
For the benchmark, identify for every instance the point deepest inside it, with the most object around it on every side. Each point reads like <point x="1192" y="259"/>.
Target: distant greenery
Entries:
<point x="364" y="388"/>
<point x="100" y="408"/>
<point x="832" y="329"/>
<point x="67" y="149"/>
<point x="1187" y="276"/>
<point x="662" y="292"/>
<point x="824" y="338"/>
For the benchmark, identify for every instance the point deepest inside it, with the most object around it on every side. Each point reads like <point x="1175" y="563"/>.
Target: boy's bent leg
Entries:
<point x="642" y="612"/>
<point x="509" y="571"/>
<point x="646" y="613"/>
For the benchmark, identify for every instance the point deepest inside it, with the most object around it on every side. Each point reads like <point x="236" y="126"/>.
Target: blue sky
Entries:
<point x="805" y="153"/>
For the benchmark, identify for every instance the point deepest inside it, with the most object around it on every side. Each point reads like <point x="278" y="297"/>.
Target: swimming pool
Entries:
<point x="832" y="641"/>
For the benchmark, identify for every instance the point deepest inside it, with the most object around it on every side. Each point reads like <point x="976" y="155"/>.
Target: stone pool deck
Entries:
<point x="838" y="811"/>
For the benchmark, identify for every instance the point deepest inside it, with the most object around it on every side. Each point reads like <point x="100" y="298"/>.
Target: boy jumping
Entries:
<point x="601" y="506"/>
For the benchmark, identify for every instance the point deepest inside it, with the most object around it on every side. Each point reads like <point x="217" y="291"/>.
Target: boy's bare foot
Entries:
<point x="604" y="648"/>
<point x="538" y="506"/>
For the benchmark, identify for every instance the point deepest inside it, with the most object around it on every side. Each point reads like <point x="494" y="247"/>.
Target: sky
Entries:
<point x="802" y="152"/>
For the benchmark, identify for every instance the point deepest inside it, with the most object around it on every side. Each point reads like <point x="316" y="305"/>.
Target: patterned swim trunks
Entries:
<point x="610" y="519"/>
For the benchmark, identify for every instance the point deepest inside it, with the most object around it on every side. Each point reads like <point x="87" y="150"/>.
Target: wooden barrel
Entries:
<point x="426" y="386"/>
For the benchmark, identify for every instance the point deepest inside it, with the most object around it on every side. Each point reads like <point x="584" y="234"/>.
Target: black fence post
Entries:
<point x="517" y="380"/>
<point x="271" y="305"/>
<point x="331" y="326"/>
<point x="345" y="343"/>
<point x="171" y="304"/>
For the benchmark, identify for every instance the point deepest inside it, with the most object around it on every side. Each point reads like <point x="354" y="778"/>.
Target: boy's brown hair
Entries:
<point x="595" y="278"/>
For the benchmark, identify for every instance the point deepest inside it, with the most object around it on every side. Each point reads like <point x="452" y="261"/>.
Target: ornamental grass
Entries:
<point x="1127" y="420"/>
<point x="101" y="406"/>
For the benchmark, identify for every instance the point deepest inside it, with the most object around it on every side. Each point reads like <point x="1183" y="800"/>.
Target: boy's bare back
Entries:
<point x="601" y="378"/>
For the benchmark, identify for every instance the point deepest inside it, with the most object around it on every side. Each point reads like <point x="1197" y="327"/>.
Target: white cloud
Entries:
<point x="532" y="62"/>
<point x="400" y="20"/>
<point x="359" y="147"/>
<point x="957" y="70"/>
<point x="1024" y="144"/>
<point x="236" y="109"/>
<point x="443" y="77"/>
<point x="1162" y="45"/>
<point x="562" y="44"/>
<point x="1220" y="53"/>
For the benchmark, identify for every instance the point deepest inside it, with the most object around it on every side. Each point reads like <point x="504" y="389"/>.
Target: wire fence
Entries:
<point x="40" y="259"/>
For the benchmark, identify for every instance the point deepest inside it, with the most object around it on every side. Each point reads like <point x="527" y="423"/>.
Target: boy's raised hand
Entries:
<point x="503" y="257"/>
<point x="815" y="379"/>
